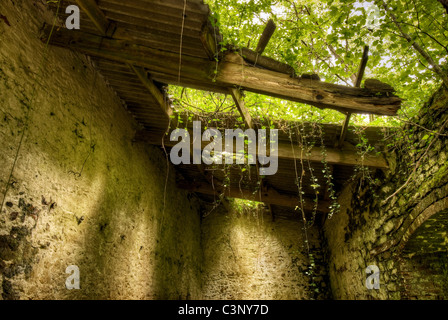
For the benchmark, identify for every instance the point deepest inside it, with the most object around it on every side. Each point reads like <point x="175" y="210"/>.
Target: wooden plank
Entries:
<point x="269" y="196"/>
<point x="155" y="92"/>
<point x="121" y="18"/>
<point x="103" y="24"/>
<point x="238" y="98"/>
<point x="234" y="71"/>
<point x="190" y="5"/>
<point x="266" y="36"/>
<point x="266" y="62"/>
<point x="360" y="75"/>
<point x="334" y="156"/>
<point x="362" y="66"/>
<point x="129" y="53"/>
<point x="154" y="8"/>
<point x="209" y="42"/>
<point x="132" y="9"/>
<point x="95" y="15"/>
<point x="344" y="130"/>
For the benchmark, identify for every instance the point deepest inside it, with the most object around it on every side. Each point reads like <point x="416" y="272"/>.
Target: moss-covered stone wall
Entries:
<point x="82" y="193"/>
<point x="401" y="230"/>
<point x="248" y="255"/>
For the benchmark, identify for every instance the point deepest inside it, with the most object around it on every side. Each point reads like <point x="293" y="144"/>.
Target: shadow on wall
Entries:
<point x="108" y="221"/>
<point x="131" y="248"/>
<point x="424" y="261"/>
<point x="249" y="256"/>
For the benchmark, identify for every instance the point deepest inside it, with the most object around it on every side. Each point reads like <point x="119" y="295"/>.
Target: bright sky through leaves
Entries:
<point x="327" y="37"/>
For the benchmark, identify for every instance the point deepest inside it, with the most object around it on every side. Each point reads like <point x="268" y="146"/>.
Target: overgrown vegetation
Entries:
<point x="408" y="46"/>
<point x="327" y="37"/>
<point x="408" y="43"/>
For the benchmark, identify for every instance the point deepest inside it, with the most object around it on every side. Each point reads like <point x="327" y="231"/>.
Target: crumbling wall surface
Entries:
<point x="81" y="192"/>
<point x="250" y="256"/>
<point x="400" y="225"/>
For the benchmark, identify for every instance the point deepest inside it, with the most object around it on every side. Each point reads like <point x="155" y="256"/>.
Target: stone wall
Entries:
<point x="247" y="255"/>
<point x="82" y="193"/>
<point x="403" y="231"/>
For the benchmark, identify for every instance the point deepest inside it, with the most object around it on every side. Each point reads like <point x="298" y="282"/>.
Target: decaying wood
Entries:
<point x="377" y="86"/>
<point x="360" y="75"/>
<point x="95" y="14"/>
<point x="153" y="90"/>
<point x="362" y="67"/>
<point x="334" y="156"/>
<point x="238" y="98"/>
<point x="108" y="28"/>
<point x="268" y="63"/>
<point x="269" y="196"/>
<point x="344" y="129"/>
<point x="209" y="42"/>
<point x="127" y="52"/>
<point x="266" y="36"/>
<point x="311" y="76"/>
<point x="234" y="71"/>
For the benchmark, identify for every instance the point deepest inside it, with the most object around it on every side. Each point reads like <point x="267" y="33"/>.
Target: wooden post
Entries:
<point x="238" y="98"/>
<point x="266" y="36"/>
<point x="271" y="196"/>
<point x="153" y="90"/>
<point x="360" y="75"/>
<point x="95" y="14"/>
<point x="233" y="71"/>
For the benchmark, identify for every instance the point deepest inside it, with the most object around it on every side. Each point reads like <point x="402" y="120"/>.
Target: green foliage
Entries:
<point x="247" y="207"/>
<point x="327" y="37"/>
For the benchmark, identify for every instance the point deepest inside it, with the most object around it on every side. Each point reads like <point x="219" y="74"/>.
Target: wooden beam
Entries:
<point x="269" y="196"/>
<point x="238" y="98"/>
<point x="362" y="67"/>
<point x="334" y="156"/>
<point x="233" y="71"/>
<point x="104" y="25"/>
<point x="95" y="14"/>
<point x="209" y="42"/>
<point x="360" y="75"/>
<point x="125" y="51"/>
<point x="266" y="62"/>
<point x="266" y="36"/>
<point x="344" y="130"/>
<point x="153" y="90"/>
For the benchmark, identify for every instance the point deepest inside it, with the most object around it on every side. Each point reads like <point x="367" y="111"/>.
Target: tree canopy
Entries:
<point x="407" y="39"/>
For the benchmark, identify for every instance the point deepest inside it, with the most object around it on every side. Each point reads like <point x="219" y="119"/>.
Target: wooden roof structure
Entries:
<point x="141" y="46"/>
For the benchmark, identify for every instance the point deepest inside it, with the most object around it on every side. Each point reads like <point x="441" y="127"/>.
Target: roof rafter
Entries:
<point x="108" y="28"/>
<point x="232" y="71"/>
<point x="269" y="196"/>
<point x="289" y="151"/>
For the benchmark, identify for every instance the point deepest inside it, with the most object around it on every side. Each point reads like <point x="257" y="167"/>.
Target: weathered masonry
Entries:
<point x="85" y="181"/>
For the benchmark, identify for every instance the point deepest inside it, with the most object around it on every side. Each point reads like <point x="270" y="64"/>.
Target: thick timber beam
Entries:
<point x="238" y="98"/>
<point x="269" y="196"/>
<point x="334" y="156"/>
<point x="233" y="71"/>
<point x="95" y="14"/>
<point x="360" y="75"/>
<point x="107" y="28"/>
<point x="152" y="88"/>
<point x="266" y="36"/>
